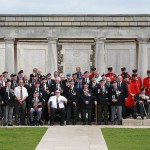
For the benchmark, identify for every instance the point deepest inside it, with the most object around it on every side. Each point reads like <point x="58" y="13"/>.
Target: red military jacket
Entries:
<point x="130" y="100"/>
<point x="111" y="76"/>
<point x="91" y="75"/>
<point x="146" y="84"/>
<point x="135" y="87"/>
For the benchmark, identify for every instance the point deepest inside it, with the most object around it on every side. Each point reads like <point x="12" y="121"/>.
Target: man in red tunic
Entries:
<point x="146" y="83"/>
<point x="93" y="74"/>
<point x="134" y="86"/>
<point x="124" y="72"/>
<point x="139" y="78"/>
<point x="129" y="102"/>
<point x="110" y="74"/>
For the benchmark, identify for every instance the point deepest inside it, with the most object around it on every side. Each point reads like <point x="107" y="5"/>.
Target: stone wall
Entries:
<point x="118" y="41"/>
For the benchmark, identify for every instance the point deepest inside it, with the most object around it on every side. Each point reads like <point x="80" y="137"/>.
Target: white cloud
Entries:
<point x="74" y="6"/>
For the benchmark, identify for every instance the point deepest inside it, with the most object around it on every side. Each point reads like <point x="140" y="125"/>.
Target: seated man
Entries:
<point x="36" y="108"/>
<point x="142" y="103"/>
<point x="56" y="104"/>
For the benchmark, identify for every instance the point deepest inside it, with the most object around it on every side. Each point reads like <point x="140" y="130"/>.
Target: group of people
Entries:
<point x="81" y="96"/>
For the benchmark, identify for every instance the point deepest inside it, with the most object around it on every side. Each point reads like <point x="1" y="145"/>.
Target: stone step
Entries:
<point x="136" y="122"/>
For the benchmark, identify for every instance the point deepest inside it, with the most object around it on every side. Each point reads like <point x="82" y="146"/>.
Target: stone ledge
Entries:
<point x="92" y="18"/>
<point x="136" y="122"/>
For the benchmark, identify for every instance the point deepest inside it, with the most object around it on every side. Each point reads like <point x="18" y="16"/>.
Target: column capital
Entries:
<point x="52" y="39"/>
<point x="142" y="39"/>
<point x="100" y="39"/>
<point x="9" y="40"/>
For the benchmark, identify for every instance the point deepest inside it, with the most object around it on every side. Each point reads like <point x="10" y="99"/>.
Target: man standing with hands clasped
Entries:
<point x="21" y="94"/>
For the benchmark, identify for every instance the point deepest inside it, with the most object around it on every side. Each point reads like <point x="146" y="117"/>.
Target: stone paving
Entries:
<point x="73" y="138"/>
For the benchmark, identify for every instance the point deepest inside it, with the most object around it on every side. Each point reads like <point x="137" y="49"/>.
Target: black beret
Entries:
<point x="103" y="75"/>
<point x="134" y="70"/>
<point x="101" y="80"/>
<point x="123" y="69"/>
<point x="49" y="74"/>
<point x="32" y="75"/>
<point x="109" y="68"/>
<point x="86" y="72"/>
<point x="21" y="71"/>
<point x="93" y="69"/>
<point x="74" y="74"/>
<point x="142" y="89"/>
<point x="5" y="72"/>
<point x="134" y="75"/>
<point x="43" y="78"/>
<point x="148" y="71"/>
<point x="13" y="75"/>
<point x="37" y="82"/>
<point x="125" y="73"/>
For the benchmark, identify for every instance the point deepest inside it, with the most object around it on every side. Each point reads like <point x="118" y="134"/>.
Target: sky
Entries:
<point x="75" y="6"/>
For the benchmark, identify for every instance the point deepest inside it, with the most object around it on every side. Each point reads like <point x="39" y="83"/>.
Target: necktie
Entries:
<point x="21" y="94"/>
<point x="8" y="92"/>
<point x="120" y="84"/>
<point x="57" y="103"/>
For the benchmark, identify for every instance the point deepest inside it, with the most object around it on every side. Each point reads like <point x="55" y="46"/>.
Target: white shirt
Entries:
<point x="18" y="94"/>
<point x="61" y="100"/>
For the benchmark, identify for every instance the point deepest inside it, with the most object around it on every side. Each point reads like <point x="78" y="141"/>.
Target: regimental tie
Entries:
<point x="8" y="89"/>
<point x="21" y="93"/>
<point x="57" y="103"/>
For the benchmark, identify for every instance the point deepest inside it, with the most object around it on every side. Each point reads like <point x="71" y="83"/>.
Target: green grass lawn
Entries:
<point x="127" y="139"/>
<point x="20" y="138"/>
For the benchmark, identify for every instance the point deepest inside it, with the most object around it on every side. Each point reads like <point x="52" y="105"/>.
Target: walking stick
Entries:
<point x="96" y="113"/>
<point x="145" y="111"/>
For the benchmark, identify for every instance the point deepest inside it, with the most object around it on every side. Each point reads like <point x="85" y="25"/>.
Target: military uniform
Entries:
<point x="102" y="98"/>
<point x="72" y="96"/>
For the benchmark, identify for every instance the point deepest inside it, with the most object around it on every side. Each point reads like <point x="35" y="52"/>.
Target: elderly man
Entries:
<point x="21" y="94"/>
<point x="55" y="104"/>
<point x="8" y="102"/>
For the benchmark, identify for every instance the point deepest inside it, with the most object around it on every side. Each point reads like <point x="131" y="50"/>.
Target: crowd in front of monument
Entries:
<point x="76" y="97"/>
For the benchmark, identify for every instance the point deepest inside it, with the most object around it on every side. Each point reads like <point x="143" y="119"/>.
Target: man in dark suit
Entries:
<point x="78" y="72"/>
<point x="34" y="74"/>
<point x="8" y="103"/>
<point x="86" y="78"/>
<point x="101" y="100"/>
<point x="5" y="75"/>
<point x="116" y="96"/>
<point x="14" y="81"/>
<point x="50" y="81"/>
<point x="20" y="75"/>
<point x="71" y="95"/>
<point x="58" y="86"/>
<point x="124" y="90"/>
<point x="87" y="106"/>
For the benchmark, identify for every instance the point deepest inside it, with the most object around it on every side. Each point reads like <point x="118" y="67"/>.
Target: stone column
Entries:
<point x="9" y="55"/>
<point x="52" y="55"/>
<point x="142" y="57"/>
<point x="100" y="55"/>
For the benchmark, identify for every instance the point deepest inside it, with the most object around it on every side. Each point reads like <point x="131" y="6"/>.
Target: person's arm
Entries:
<point x="25" y="95"/>
<point x="15" y="93"/>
